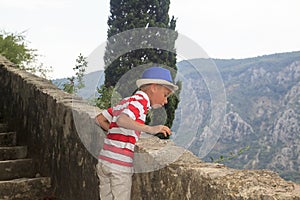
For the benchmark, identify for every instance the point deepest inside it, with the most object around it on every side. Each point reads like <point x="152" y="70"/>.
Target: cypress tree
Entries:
<point x="130" y="14"/>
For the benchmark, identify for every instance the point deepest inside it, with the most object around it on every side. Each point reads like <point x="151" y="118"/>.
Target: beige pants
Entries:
<point x="114" y="185"/>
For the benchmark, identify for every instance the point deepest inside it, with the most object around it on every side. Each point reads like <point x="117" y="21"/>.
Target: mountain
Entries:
<point x="261" y="129"/>
<point x="91" y="81"/>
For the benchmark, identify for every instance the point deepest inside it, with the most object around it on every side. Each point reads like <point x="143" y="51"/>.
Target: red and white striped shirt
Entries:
<point x="118" y="147"/>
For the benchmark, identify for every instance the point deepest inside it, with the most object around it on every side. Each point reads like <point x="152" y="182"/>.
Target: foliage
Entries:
<point x="130" y="14"/>
<point x="76" y="82"/>
<point x="14" y="47"/>
<point x="231" y="155"/>
<point x="103" y="102"/>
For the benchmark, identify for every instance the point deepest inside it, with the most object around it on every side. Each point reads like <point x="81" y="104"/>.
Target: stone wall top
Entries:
<point x="187" y="177"/>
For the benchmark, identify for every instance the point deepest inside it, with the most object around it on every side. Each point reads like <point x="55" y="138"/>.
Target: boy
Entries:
<point x="124" y="123"/>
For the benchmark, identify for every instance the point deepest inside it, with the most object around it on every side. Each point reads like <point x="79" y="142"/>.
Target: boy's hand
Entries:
<point x="102" y="121"/>
<point x="160" y="129"/>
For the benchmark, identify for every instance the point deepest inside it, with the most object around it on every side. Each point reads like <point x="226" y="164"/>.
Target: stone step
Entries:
<point x="13" y="169"/>
<point x="18" y="180"/>
<point x="25" y="189"/>
<point x="3" y="127"/>
<point x="13" y="153"/>
<point x="8" y="139"/>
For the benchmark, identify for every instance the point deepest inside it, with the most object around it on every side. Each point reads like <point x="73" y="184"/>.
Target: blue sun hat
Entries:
<point x="157" y="75"/>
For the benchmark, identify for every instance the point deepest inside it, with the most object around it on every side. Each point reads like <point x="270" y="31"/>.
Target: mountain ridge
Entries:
<point x="263" y="93"/>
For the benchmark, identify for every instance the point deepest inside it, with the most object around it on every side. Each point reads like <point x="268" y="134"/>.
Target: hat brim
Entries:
<point x="169" y="85"/>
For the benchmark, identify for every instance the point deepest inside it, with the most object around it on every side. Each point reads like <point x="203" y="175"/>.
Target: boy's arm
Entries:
<point x="126" y="122"/>
<point x="102" y="121"/>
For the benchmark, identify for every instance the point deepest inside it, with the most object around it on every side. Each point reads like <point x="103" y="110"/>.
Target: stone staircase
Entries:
<point x="18" y="180"/>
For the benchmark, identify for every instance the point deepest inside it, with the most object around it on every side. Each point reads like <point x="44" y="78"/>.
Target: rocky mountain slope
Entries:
<point x="262" y="122"/>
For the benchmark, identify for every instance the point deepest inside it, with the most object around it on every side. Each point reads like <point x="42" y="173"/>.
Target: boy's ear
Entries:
<point x="153" y="87"/>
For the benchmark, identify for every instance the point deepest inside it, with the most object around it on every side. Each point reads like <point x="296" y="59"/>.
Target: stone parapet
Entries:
<point x="188" y="178"/>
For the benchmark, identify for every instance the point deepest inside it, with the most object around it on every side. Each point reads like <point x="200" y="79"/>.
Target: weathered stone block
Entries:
<point x="13" y="169"/>
<point x="8" y="139"/>
<point x="3" y="127"/>
<point x="25" y="189"/>
<point x="12" y="153"/>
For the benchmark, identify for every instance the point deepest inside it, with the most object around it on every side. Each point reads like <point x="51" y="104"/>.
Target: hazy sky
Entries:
<point x="61" y="29"/>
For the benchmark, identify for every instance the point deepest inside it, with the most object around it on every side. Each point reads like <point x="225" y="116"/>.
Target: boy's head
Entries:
<point x="158" y="84"/>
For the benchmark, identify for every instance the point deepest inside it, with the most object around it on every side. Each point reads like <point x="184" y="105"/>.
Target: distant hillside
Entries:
<point x="263" y="112"/>
<point x="91" y="81"/>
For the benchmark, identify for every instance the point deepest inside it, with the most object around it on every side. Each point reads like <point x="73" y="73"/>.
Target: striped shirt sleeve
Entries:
<point x="108" y="114"/>
<point x="136" y="110"/>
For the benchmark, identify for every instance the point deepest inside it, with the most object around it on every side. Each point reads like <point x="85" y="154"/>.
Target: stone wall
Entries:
<point x="62" y="138"/>
<point x="187" y="178"/>
<point x="43" y="115"/>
